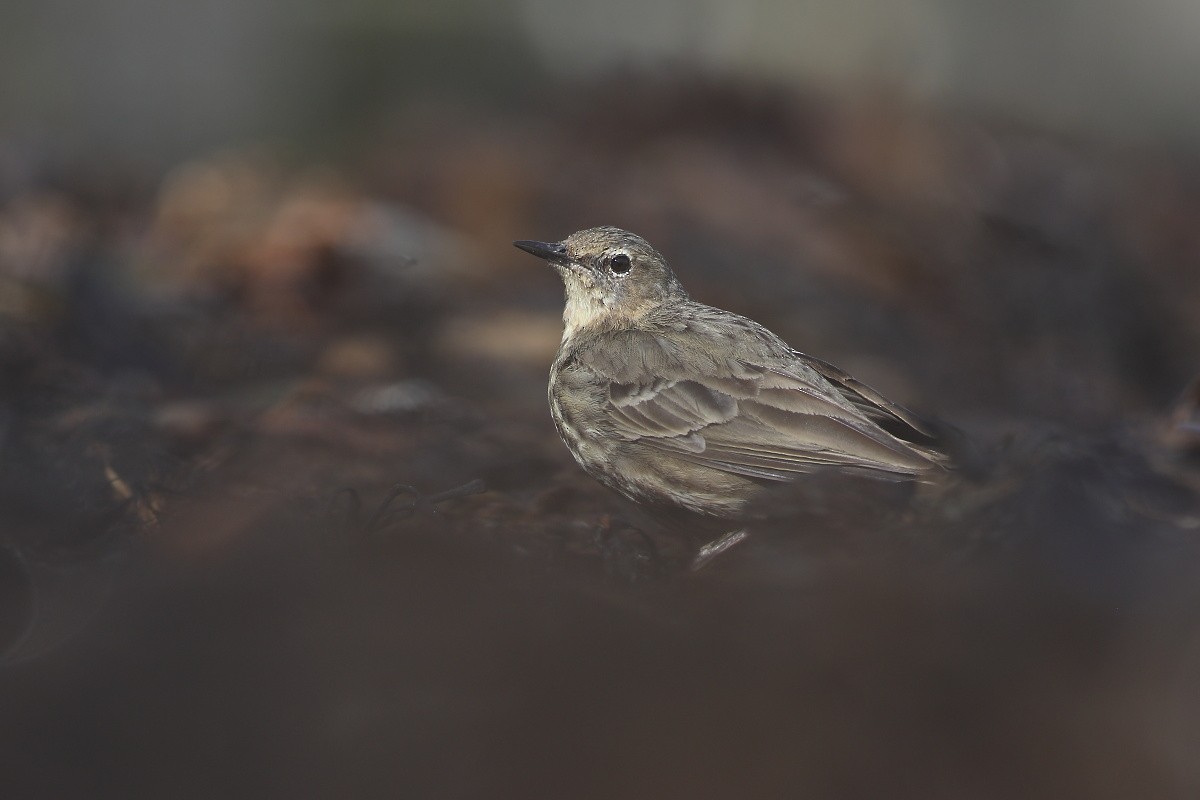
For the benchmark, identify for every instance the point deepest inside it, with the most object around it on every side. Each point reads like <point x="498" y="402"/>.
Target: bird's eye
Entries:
<point x="619" y="263"/>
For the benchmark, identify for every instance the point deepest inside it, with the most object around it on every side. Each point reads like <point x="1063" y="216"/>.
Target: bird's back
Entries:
<point x="697" y="407"/>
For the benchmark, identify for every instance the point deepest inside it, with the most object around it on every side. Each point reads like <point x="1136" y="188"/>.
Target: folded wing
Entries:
<point x="770" y="421"/>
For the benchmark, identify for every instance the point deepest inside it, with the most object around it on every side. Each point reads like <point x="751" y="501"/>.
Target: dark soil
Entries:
<point x="284" y="514"/>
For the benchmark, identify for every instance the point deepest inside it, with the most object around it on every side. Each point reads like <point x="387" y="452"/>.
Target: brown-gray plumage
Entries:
<point x="670" y="401"/>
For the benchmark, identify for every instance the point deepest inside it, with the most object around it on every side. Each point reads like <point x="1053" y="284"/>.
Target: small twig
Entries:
<point x="383" y="511"/>
<point x="389" y="511"/>
<point x="477" y="486"/>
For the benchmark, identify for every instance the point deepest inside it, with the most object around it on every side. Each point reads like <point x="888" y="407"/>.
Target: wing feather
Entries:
<point x="769" y="414"/>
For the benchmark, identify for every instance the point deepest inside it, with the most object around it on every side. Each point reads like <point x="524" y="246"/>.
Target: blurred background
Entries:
<point x="154" y="83"/>
<point x="282" y="512"/>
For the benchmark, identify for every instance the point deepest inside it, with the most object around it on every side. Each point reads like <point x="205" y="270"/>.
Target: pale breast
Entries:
<point x="577" y="396"/>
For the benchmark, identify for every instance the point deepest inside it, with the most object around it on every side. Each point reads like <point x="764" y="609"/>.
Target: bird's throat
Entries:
<point x="583" y="310"/>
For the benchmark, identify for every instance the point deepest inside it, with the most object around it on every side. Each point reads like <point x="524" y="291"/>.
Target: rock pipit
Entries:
<point x="675" y="403"/>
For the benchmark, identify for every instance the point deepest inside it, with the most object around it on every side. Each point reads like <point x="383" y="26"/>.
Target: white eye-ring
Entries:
<point x="620" y="263"/>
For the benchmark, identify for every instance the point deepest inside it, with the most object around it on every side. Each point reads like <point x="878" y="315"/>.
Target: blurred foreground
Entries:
<point x="285" y="514"/>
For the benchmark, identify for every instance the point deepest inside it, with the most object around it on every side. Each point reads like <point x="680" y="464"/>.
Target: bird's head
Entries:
<point x="612" y="277"/>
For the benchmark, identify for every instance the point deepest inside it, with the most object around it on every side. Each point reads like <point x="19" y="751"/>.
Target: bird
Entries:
<point x="676" y="404"/>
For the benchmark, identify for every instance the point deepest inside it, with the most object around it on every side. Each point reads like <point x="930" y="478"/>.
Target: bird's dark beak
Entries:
<point x="554" y="252"/>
